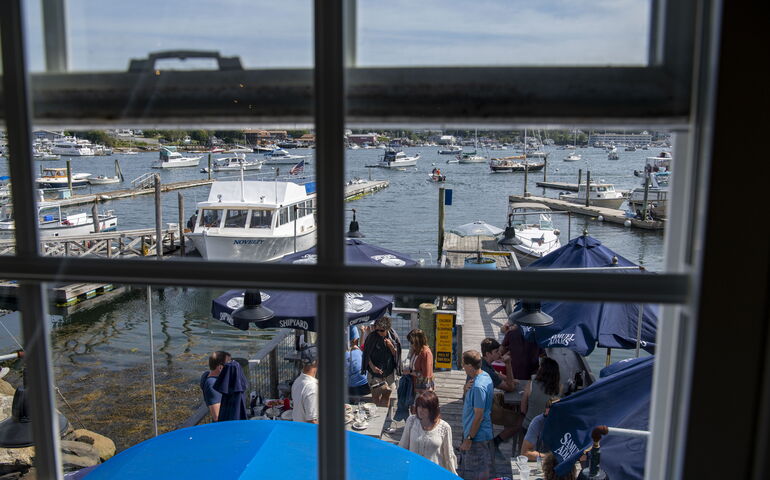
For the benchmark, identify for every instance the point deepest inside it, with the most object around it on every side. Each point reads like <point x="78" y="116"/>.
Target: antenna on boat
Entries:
<point x="243" y="194"/>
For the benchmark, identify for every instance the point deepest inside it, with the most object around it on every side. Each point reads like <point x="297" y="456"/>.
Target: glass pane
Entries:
<point x="483" y="172"/>
<point x="554" y="32"/>
<point x="105" y="36"/>
<point x="7" y="240"/>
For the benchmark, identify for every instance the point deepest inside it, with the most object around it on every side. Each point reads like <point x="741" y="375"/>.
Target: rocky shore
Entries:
<point x="80" y="448"/>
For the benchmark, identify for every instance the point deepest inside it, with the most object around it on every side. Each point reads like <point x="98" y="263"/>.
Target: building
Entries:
<point x="47" y="135"/>
<point x="636" y="139"/>
<point x="363" y="138"/>
<point x="264" y="136"/>
<point x="307" y="139"/>
<point x="447" y="140"/>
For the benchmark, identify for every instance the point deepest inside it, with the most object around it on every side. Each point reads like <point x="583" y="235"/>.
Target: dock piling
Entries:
<point x="545" y="169"/>
<point x="209" y="170"/>
<point x="180" y="200"/>
<point x="588" y="188"/>
<point x="158" y="220"/>
<point x="95" y="218"/>
<point x="69" y="176"/>
<point x="580" y="177"/>
<point x="646" y="194"/>
<point x="441" y="191"/>
<point x="526" y="174"/>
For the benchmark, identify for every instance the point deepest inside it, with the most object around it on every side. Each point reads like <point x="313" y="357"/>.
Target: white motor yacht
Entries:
<point x="233" y="163"/>
<point x="471" y="157"/>
<point x="255" y="221"/>
<point x="450" y="150"/>
<point x="396" y="159"/>
<point x="661" y="161"/>
<point x="72" y="147"/>
<point x="599" y="195"/>
<point x="573" y="157"/>
<point x="170" y="158"/>
<point x="53" y="223"/>
<point x="279" y="156"/>
<point x="533" y="233"/>
<point x="657" y="195"/>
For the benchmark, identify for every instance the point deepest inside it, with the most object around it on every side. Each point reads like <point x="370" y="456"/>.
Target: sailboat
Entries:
<point x="472" y="157"/>
<point x="573" y="157"/>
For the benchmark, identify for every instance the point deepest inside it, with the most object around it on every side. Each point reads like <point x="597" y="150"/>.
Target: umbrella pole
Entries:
<point x="609" y="358"/>
<point x="152" y="363"/>
<point x="639" y="329"/>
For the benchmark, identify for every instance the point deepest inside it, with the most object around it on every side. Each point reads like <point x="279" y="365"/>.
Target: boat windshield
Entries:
<point x="526" y="216"/>
<point x="48" y="214"/>
<point x="261" y="219"/>
<point x="211" y="217"/>
<point x="236" y="218"/>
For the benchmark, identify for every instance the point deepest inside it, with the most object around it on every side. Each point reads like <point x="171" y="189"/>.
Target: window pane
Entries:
<point x="236" y="218"/>
<point x="484" y="170"/>
<point x="553" y="32"/>
<point x="7" y="240"/>
<point x="105" y="36"/>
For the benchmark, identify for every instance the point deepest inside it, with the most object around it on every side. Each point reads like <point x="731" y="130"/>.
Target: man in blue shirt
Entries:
<point x="476" y="447"/>
<point x="213" y="398"/>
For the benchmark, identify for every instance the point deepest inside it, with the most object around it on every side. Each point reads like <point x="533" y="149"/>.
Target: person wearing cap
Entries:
<point x="304" y="390"/>
<point x="211" y="397"/>
<point x="382" y="361"/>
<point x="358" y="384"/>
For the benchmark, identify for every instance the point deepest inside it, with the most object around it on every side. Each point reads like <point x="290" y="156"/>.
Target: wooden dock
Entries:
<point x="353" y="191"/>
<point x="610" y="215"/>
<point x="570" y="187"/>
<point x="65" y="299"/>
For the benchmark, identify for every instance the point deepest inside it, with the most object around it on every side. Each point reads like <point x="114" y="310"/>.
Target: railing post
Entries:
<point x="109" y="248"/>
<point x="273" y="369"/>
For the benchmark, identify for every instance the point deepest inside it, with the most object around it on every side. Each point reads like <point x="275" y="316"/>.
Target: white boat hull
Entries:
<point x="473" y="159"/>
<point x="103" y="180"/>
<point x="107" y="223"/>
<point x="187" y="162"/>
<point x="231" y="247"/>
<point x="291" y="160"/>
<point x="614" y="203"/>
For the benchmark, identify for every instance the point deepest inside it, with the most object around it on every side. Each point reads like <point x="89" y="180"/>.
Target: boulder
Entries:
<point x="79" y="449"/>
<point x="102" y="444"/>
<point x="6" y="402"/>
<point x="70" y="462"/>
<point x="16" y="459"/>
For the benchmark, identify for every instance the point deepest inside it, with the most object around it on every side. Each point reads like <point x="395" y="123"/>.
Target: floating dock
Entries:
<point x="570" y="187"/>
<point x="66" y="299"/>
<point x="356" y="190"/>
<point x="610" y="215"/>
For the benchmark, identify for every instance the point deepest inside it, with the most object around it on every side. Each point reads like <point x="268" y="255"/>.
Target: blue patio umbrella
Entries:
<point x="619" y="400"/>
<point x="356" y="253"/>
<point x="298" y="309"/>
<point x="261" y="449"/>
<point x="582" y="326"/>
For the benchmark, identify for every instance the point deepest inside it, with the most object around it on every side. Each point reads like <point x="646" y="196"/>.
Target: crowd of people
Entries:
<point x="374" y="367"/>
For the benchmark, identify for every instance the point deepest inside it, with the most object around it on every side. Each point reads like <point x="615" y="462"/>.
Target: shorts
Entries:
<point x="503" y="414"/>
<point x="359" y="391"/>
<point x="388" y="386"/>
<point x="477" y="460"/>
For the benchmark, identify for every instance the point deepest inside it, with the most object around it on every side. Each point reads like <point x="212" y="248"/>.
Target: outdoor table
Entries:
<point x="535" y="473"/>
<point x="514" y="398"/>
<point x="376" y="424"/>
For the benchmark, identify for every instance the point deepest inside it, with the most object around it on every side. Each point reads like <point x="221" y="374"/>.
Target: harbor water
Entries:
<point x="101" y="355"/>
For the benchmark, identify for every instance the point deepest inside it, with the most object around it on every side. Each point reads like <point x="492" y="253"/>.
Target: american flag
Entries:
<point x="298" y="168"/>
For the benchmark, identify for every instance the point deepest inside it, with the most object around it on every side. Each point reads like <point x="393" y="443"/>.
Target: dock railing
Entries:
<point x="273" y="364"/>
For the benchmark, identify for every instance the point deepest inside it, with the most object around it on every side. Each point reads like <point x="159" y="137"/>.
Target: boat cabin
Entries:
<point x="598" y="190"/>
<point x="54" y="172"/>
<point x="523" y="214"/>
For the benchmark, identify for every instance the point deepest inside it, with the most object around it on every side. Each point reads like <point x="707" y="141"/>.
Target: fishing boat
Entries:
<point x="599" y="195"/>
<point x="450" y="150"/>
<point x="56" y="177"/>
<point x="254" y="221"/>
<point x="530" y="233"/>
<point x="470" y="157"/>
<point x="170" y="158"/>
<point x="396" y="159"/>
<point x="573" y="157"/>
<point x="613" y="155"/>
<point x="279" y="156"/>
<point x="105" y="180"/>
<point x="233" y="163"/>
<point x="661" y="161"/>
<point x="53" y="223"/>
<point x="657" y="195"/>
<point x="630" y="148"/>
<point x="436" y="176"/>
<point x="515" y="163"/>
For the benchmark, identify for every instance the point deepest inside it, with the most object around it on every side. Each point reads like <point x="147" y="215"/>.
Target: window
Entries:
<point x="261" y="219"/>
<point x="236" y="218"/>
<point x="283" y="216"/>
<point x="211" y="218"/>
<point x="659" y="91"/>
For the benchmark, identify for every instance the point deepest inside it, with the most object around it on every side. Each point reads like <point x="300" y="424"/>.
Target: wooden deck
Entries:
<point x="482" y="317"/>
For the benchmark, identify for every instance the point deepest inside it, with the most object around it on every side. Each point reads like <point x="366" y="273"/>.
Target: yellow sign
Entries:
<point x="444" y="324"/>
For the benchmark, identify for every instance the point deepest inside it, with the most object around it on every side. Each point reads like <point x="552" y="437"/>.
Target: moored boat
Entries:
<point x="53" y="223"/>
<point x="573" y="157"/>
<point x="533" y="235"/>
<point x="599" y="195"/>
<point x="515" y="163"/>
<point x="279" y="156"/>
<point x="396" y="159"/>
<point x="254" y="221"/>
<point x="170" y="158"/>
<point x="450" y="150"/>
<point x="233" y="163"/>
<point x="56" y="177"/>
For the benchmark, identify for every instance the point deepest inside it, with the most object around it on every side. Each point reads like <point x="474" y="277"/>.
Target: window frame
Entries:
<point x="508" y="96"/>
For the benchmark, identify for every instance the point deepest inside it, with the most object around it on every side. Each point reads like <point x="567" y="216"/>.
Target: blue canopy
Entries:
<point x="298" y="309"/>
<point x="357" y="253"/>
<point x="619" y="400"/>
<point x="582" y="326"/>
<point x="261" y="449"/>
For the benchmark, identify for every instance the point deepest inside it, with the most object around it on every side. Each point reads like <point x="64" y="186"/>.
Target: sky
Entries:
<point x="104" y="35"/>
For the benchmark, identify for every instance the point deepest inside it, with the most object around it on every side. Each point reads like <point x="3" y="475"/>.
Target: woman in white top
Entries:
<point x="427" y="435"/>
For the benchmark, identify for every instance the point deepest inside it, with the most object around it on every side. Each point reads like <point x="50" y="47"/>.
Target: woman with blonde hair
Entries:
<point x="420" y="362"/>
